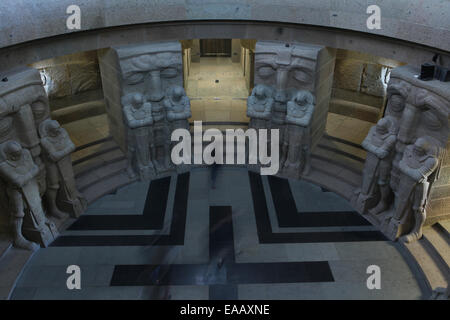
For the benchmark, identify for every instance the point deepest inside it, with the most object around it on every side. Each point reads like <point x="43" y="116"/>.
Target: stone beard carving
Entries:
<point x="19" y="172"/>
<point x="418" y="163"/>
<point x="57" y="147"/>
<point x="259" y="107"/>
<point x="178" y="108"/>
<point x="278" y="121"/>
<point x="138" y="118"/>
<point x="379" y="144"/>
<point x="299" y="113"/>
<point x="161" y="138"/>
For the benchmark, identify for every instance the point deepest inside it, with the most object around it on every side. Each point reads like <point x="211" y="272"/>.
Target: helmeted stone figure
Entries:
<point x="138" y="118"/>
<point x="178" y="108"/>
<point x="19" y="172"/>
<point x="418" y="163"/>
<point x="379" y="144"/>
<point x="259" y="107"/>
<point x="300" y="110"/>
<point x="57" y="147"/>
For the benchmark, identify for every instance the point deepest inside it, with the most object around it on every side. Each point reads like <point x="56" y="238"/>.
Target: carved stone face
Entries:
<point x="285" y="65"/>
<point x="13" y="151"/>
<point x="150" y="69"/>
<point x="259" y="93"/>
<point x="382" y="126"/>
<point x="421" y="107"/>
<point x="177" y="93"/>
<point x="137" y="101"/>
<point x="53" y="128"/>
<point x="303" y="99"/>
<point x="421" y="147"/>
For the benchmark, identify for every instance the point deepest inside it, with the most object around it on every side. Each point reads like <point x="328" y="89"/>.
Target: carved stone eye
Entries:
<point x="135" y="78"/>
<point x="169" y="73"/>
<point x="431" y="120"/>
<point x="396" y="102"/>
<point x="266" y="71"/>
<point x="301" y="75"/>
<point x="5" y="126"/>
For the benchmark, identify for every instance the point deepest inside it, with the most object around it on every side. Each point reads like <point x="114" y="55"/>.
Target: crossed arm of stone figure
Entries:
<point x="135" y="123"/>
<point x="251" y="113"/>
<point x="420" y="174"/>
<point x="382" y="151"/>
<point x="56" y="155"/>
<point x="18" y="180"/>
<point x="301" y="121"/>
<point x="173" y="115"/>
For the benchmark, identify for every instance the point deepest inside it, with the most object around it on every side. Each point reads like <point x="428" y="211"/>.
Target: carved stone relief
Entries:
<point x="25" y="178"/>
<point x="405" y="152"/>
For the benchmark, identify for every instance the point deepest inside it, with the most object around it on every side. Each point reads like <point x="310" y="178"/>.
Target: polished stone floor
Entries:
<point x="249" y="237"/>
<point x="218" y="93"/>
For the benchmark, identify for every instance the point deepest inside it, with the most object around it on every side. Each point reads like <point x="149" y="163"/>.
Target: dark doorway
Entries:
<point x="215" y="48"/>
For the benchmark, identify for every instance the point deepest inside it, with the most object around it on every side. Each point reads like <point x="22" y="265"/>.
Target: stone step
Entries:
<point x="331" y="175"/>
<point x="354" y="110"/>
<point x="439" y="238"/>
<point x="107" y="185"/>
<point x="79" y="111"/>
<point x="436" y="273"/>
<point x="11" y="265"/>
<point x="105" y="170"/>
<point x="103" y="153"/>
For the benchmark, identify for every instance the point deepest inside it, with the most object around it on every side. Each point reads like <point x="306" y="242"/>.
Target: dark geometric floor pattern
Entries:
<point x="224" y="272"/>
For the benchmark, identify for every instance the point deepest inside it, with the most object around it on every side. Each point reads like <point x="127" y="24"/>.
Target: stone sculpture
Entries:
<point x="300" y="110"/>
<point x="418" y="163"/>
<point x="288" y="67"/>
<point x="259" y="107"/>
<point x="19" y="172"/>
<point x="379" y="144"/>
<point x="23" y="106"/>
<point x="57" y="147"/>
<point x="419" y="111"/>
<point x="138" y="118"/>
<point x="178" y="108"/>
<point x="150" y="70"/>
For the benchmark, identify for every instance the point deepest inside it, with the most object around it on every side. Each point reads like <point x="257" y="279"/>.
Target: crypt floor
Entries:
<point x="250" y="237"/>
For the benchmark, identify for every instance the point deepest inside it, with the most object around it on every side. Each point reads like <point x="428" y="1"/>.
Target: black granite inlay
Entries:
<point x="177" y="229"/>
<point x="288" y="216"/>
<point x="222" y="272"/>
<point x="152" y="217"/>
<point x="265" y="234"/>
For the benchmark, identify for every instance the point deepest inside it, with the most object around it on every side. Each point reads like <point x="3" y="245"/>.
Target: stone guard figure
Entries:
<point x="300" y="110"/>
<point x="259" y="107"/>
<point x="57" y="147"/>
<point x="418" y="163"/>
<point x="19" y="172"/>
<point x="138" y="118"/>
<point x="380" y="147"/>
<point x="178" y="108"/>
